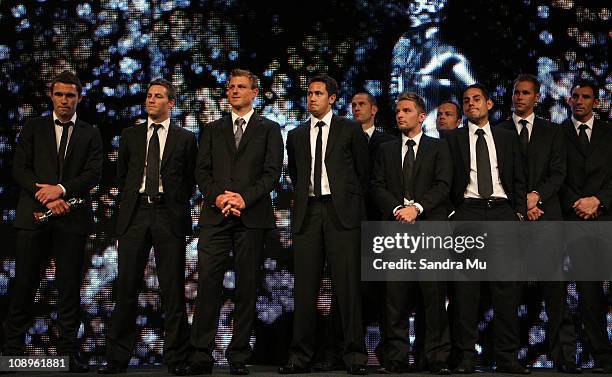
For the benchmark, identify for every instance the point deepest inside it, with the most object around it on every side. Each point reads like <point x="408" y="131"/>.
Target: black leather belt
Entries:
<point x="150" y="200"/>
<point x="489" y="203"/>
<point x="322" y="198"/>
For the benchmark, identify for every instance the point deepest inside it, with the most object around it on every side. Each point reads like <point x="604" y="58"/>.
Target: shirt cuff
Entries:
<point x="63" y="189"/>
<point x="397" y="209"/>
<point x="419" y="207"/>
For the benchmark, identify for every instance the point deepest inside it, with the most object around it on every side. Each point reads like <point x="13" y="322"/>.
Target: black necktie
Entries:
<point x="367" y="135"/>
<point x="483" y="166"/>
<point x="583" y="138"/>
<point x="152" y="171"/>
<point x="318" y="165"/>
<point x="239" y="131"/>
<point x="524" y="135"/>
<point x="61" y="153"/>
<point x="407" y="169"/>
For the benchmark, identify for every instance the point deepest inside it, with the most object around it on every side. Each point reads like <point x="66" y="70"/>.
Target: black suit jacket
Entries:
<point x="588" y="174"/>
<point x="545" y="164"/>
<point x="346" y="160"/>
<point x="509" y="162"/>
<point x="176" y="171"/>
<point x="252" y="171"/>
<point x="432" y="177"/>
<point x="36" y="162"/>
<point x="377" y="139"/>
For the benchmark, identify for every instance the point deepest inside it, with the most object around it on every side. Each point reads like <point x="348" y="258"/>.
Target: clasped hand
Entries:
<point x="230" y="203"/>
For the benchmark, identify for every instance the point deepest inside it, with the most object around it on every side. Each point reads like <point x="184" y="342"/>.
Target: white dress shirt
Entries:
<point x="58" y="138"/>
<point x="530" y="118"/>
<point x="415" y="147"/>
<point x="246" y="118"/>
<point x="162" y="135"/>
<point x="471" y="190"/>
<point x="369" y="132"/>
<point x="314" y="130"/>
<point x="589" y="123"/>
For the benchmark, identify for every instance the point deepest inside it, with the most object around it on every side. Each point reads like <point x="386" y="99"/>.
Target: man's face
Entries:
<point x="408" y="117"/>
<point x="447" y="117"/>
<point x="582" y="102"/>
<point x="240" y="94"/>
<point x="157" y="103"/>
<point x="476" y="107"/>
<point x="524" y="98"/>
<point x="65" y="99"/>
<point x="319" y="100"/>
<point x="363" y="111"/>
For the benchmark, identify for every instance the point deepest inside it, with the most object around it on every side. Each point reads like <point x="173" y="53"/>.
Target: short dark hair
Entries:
<point x="585" y="83"/>
<point x="331" y="85"/>
<point x="419" y="102"/>
<point x="480" y="87"/>
<point x="67" y="77"/>
<point x="371" y="98"/>
<point x="530" y="78"/>
<point x="248" y="74"/>
<point x="459" y="110"/>
<point x="170" y="89"/>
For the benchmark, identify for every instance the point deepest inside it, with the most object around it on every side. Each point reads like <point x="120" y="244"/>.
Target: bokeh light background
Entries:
<point x="117" y="46"/>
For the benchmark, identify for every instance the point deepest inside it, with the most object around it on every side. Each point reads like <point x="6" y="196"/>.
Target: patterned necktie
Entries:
<point x="318" y="165"/>
<point x="483" y="166"/>
<point x="524" y="135"/>
<point x="152" y="171"/>
<point x="583" y="138"/>
<point x="61" y="153"/>
<point x="239" y="131"/>
<point x="407" y="170"/>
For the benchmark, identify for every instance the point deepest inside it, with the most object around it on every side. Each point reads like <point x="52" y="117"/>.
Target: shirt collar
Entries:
<point x="165" y="124"/>
<point x="417" y="138"/>
<point x="73" y="119"/>
<point x="370" y="131"/>
<point x="246" y="116"/>
<point x="327" y="118"/>
<point x="529" y="118"/>
<point x="472" y="128"/>
<point x="588" y="122"/>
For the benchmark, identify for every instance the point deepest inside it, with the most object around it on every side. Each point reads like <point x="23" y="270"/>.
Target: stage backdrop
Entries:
<point x="385" y="47"/>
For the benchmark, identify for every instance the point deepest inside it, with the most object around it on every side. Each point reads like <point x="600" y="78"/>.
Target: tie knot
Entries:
<point x="320" y="124"/>
<point x="240" y="122"/>
<point x="583" y="127"/>
<point x="480" y="132"/>
<point x="156" y="127"/>
<point x="524" y="122"/>
<point x="410" y="143"/>
<point x="64" y="125"/>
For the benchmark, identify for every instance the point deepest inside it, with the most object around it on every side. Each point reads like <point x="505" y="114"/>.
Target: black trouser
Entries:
<point x="150" y="227"/>
<point x="214" y="247"/>
<point x="505" y="295"/>
<point x="33" y="249"/>
<point x="593" y="310"/>
<point x="323" y="236"/>
<point x="435" y="322"/>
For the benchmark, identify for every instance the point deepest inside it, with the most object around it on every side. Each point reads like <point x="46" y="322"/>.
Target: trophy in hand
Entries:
<point x="43" y="217"/>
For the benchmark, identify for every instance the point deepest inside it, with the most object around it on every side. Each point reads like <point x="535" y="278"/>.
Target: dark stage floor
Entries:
<point x="262" y="370"/>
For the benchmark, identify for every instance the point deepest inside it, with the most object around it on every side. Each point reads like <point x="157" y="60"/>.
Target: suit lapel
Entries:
<point x="500" y="149"/>
<point x="572" y="135"/>
<point x="596" y="135"/>
<point x="424" y="145"/>
<point x="228" y="134"/>
<point x="49" y="130"/>
<point x="249" y="132"/>
<point x="171" y="140"/>
<point x="74" y="139"/>
<point x="464" y="145"/>
<point x="141" y="147"/>
<point x="305" y="141"/>
<point x="536" y="138"/>
<point x="334" y="131"/>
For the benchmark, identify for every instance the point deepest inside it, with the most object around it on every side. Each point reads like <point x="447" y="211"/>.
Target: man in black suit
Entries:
<point x="586" y="195"/>
<point x="410" y="182"/>
<point x="239" y="164"/>
<point x="328" y="209"/>
<point x="155" y="178"/>
<point x="58" y="157"/>
<point x="488" y="185"/>
<point x="543" y="148"/>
